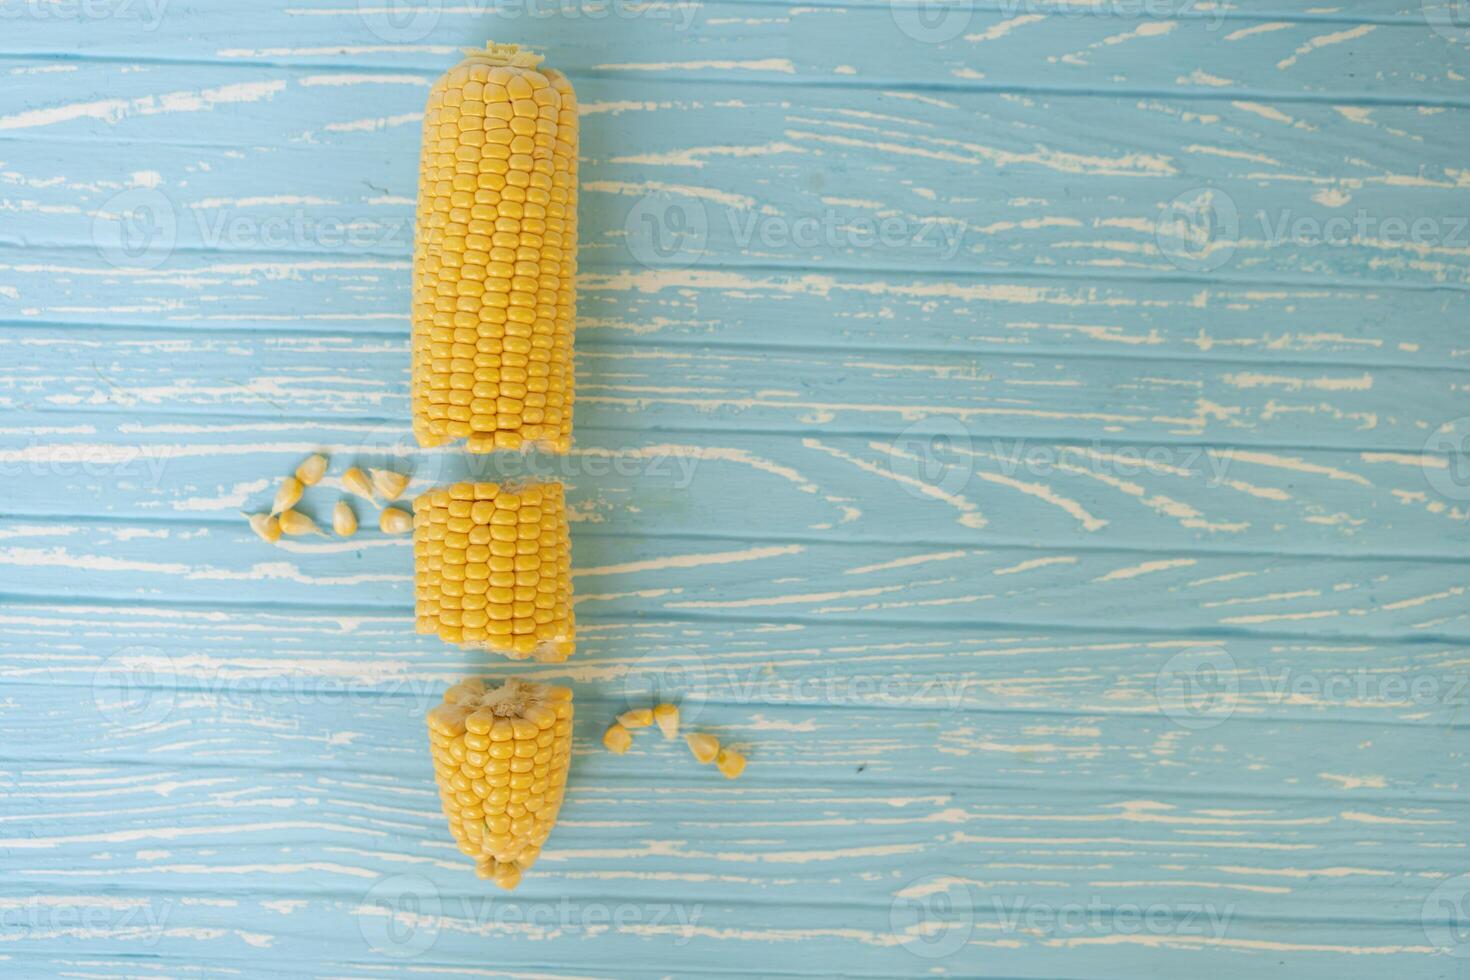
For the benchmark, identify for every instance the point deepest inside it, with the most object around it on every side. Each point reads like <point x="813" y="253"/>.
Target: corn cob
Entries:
<point x="500" y="759"/>
<point x="492" y="569"/>
<point x="495" y="256"/>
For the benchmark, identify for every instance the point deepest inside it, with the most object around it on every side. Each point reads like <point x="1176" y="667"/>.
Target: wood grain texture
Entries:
<point x="1035" y="434"/>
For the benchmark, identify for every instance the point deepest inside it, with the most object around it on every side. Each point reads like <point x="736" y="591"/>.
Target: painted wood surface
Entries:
<point x="1036" y="433"/>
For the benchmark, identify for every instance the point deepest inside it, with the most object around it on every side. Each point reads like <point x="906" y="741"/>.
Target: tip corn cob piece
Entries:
<point x="495" y="256"/>
<point x="501" y="756"/>
<point x="493" y="569"/>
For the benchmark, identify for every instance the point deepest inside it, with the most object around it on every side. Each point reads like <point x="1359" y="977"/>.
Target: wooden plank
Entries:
<point x="775" y="581"/>
<point x="1214" y="51"/>
<point x="936" y="483"/>
<point x="1005" y="396"/>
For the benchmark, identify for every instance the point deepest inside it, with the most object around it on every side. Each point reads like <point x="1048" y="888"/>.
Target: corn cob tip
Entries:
<point x="509" y="55"/>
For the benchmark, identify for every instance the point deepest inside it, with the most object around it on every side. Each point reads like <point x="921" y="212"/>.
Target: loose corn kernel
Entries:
<point x="637" y="718"/>
<point x="311" y="470"/>
<point x="344" y="521"/>
<point x="265" y="525"/>
<point x="388" y="484"/>
<point x="667" y="716"/>
<point x="356" y="482"/>
<point x="295" y="523"/>
<point x="287" y="495"/>
<point x="705" y="747"/>
<point x="395" y="521"/>
<point x="730" y="763"/>
<point x="492" y="569"/>
<point x="500" y="813"/>
<point x="617" y="739"/>
<point x="495" y="256"/>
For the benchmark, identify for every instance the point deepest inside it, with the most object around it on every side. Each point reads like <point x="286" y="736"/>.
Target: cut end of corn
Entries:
<point x="311" y="470"/>
<point x="705" y="747"/>
<point x="501" y="756"/>
<point x="495" y="256"/>
<point x="389" y="484"/>
<point x="357" y="483"/>
<point x="492" y="569"/>
<point x="344" y="521"/>
<point x="730" y="763"/>
<point x="637" y="718"/>
<point x="287" y="495"/>
<point x="395" y="521"/>
<point x="667" y="716"/>
<point x="265" y="525"/>
<point x="617" y="739"/>
<point x="295" y="523"/>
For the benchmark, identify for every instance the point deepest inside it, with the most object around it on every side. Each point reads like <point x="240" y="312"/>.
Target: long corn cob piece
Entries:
<point x="492" y="569"/>
<point x="501" y="756"/>
<point x="495" y="256"/>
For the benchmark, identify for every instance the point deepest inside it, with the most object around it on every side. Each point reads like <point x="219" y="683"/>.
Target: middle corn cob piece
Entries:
<point x="495" y="256"/>
<point x="493" y="569"/>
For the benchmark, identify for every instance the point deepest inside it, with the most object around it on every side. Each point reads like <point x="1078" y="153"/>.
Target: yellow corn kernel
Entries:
<point x="395" y="521"/>
<point x="388" y="484"/>
<point x="495" y="256"/>
<point x="295" y="523"/>
<point x="344" y="521"/>
<point x="705" y="747"/>
<point x="617" y="739"/>
<point x="730" y="763"/>
<point x="265" y="525"/>
<point x="287" y="495"/>
<point x="667" y="716"/>
<point x="492" y="569"/>
<point x="637" y="718"/>
<point x="356" y="482"/>
<point x="311" y="470"/>
<point x="499" y="813"/>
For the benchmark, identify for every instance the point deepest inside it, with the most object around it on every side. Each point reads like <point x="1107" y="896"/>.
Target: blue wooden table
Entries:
<point x="1036" y="434"/>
